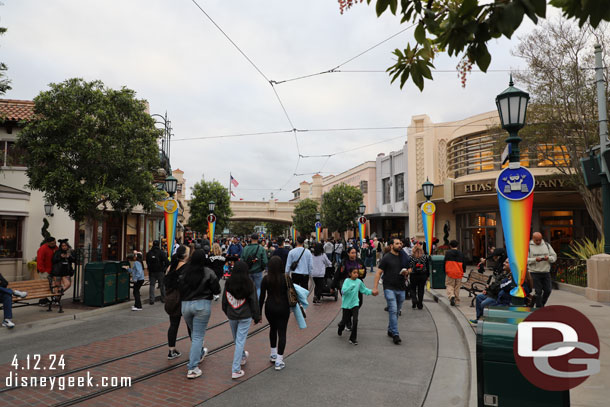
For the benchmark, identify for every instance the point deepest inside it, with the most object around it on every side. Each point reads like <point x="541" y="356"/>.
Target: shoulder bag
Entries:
<point x="295" y="264"/>
<point x="292" y="293"/>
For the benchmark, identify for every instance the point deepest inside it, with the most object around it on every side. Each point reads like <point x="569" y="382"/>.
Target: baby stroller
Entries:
<point x="229" y="266"/>
<point x="327" y="284"/>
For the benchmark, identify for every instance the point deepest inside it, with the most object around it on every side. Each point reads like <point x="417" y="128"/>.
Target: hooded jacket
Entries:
<point x="454" y="264"/>
<point x="540" y="250"/>
<point x="242" y="308"/>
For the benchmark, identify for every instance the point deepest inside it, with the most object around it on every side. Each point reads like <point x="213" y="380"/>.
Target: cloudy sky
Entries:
<point x="173" y="56"/>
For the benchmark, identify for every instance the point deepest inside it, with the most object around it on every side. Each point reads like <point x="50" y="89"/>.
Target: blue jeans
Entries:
<point x="196" y="315"/>
<point x="338" y="258"/>
<point x="394" y="298"/>
<point x="258" y="279"/>
<point x="7" y="302"/>
<point x="239" y="328"/>
<point x="483" y="301"/>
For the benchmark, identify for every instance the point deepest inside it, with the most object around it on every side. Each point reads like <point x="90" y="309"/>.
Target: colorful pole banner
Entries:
<point x="211" y="227"/>
<point x="170" y="206"/>
<point x="293" y="233"/>
<point x="362" y="229"/>
<point x="318" y="229"/>
<point x="428" y="210"/>
<point x="515" y="188"/>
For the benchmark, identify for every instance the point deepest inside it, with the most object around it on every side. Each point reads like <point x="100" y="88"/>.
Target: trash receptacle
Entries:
<point x="122" y="283"/>
<point x="506" y="312"/>
<point x="437" y="279"/>
<point x="100" y="283"/>
<point x="499" y="381"/>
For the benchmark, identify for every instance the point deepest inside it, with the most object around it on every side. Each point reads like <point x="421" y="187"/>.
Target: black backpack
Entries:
<point x="253" y="259"/>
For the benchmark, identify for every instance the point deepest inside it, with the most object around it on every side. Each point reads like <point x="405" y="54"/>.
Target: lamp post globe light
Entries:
<point x="428" y="189"/>
<point x="211" y="206"/>
<point x="317" y="217"/>
<point x="48" y="209"/>
<point x="171" y="185"/>
<point x="362" y="209"/>
<point x="512" y="108"/>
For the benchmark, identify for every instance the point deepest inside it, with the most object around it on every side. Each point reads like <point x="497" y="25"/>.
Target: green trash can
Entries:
<point x="122" y="284"/>
<point x="101" y="283"/>
<point x="437" y="278"/>
<point x="499" y="381"/>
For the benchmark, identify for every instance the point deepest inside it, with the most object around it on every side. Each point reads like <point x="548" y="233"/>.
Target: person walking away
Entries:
<point x="137" y="276"/>
<point x="319" y="264"/>
<point x="283" y="251"/>
<point x="217" y="262"/>
<point x="6" y="298"/>
<point x="63" y="267"/>
<point x="539" y="259"/>
<point x="173" y="305"/>
<point x="338" y="249"/>
<point x="240" y="304"/>
<point x="44" y="262"/>
<point x="157" y="262"/>
<point x="455" y="265"/>
<point x="367" y="254"/>
<point x="197" y="284"/>
<point x="274" y="298"/>
<point x="352" y="288"/>
<point x="419" y="272"/>
<point x="328" y="249"/>
<point x="255" y="257"/>
<point x="299" y="263"/>
<point x="391" y="268"/>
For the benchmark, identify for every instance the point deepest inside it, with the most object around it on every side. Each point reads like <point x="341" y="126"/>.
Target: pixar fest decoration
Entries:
<point x="211" y="227"/>
<point x="515" y="186"/>
<point x="170" y="206"/>
<point x="428" y="209"/>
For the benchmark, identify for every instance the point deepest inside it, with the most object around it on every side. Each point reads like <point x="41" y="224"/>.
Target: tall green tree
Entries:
<point x="304" y="218"/>
<point x="340" y="207"/>
<point x="202" y="193"/>
<point x="464" y="27"/>
<point x="562" y="115"/>
<point x="242" y="228"/>
<point x="4" y="81"/>
<point x="276" y="229"/>
<point x="91" y="148"/>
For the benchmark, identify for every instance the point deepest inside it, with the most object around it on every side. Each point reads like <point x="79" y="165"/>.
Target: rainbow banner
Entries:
<point x="293" y="234"/>
<point x="170" y="206"/>
<point x="515" y="188"/>
<point x="428" y="210"/>
<point x="362" y="231"/>
<point x="211" y="230"/>
<point x="318" y="230"/>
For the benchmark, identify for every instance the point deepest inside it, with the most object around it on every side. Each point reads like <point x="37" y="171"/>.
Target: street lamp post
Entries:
<point x="362" y="222"/>
<point x="318" y="226"/>
<point x="211" y="222"/>
<point x="515" y="187"/>
<point x="48" y="209"/>
<point x="428" y="210"/>
<point x="170" y="207"/>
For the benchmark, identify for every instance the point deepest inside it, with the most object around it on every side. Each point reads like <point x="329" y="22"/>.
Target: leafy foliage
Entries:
<point x="340" y="207"/>
<point x="276" y="229"/>
<point x="584" y="249"/>
<point x="4" y="81"/>
<point x="304" y="218"/>
<point x="90" y="148"/>
<point x="240" y="228"/>
<point x="202" y="193"/>
<point x="464" y="27"/>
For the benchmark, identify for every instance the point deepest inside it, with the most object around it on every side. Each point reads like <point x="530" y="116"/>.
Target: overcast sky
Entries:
<point x="176" y="59"/>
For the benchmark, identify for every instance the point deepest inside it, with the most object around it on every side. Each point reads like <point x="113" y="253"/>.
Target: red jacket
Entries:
<point x="44" y="258"/>
<point x="454" y="264"/>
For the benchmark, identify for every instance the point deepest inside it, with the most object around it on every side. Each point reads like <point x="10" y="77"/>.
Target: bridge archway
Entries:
<point x="265" y="211"/>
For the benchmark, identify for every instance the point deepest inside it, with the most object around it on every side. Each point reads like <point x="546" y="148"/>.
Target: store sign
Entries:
<point x="542" y="184"/>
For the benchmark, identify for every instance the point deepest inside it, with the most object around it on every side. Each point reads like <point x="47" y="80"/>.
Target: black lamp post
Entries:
<point x="512" y="108"/>
<point x="362" y="209"/>
<point x="211" y="206"/>
<point x="48" y="209"/>
<point x="428" y="189"/>
<point x="171" y="185"/>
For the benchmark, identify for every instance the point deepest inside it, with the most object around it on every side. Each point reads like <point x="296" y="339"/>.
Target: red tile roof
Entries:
<point x="16" y="110"/>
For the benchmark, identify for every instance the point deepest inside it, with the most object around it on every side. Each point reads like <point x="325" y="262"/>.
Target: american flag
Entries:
<point x="232" y="193"/>
<point x="234" y="181"/>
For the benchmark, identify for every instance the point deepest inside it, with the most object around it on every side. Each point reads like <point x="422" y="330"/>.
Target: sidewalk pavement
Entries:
<point x="595" y="390"/>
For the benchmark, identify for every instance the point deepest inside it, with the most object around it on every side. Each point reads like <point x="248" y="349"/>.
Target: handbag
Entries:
<point x="295" y="264"/>
<point x="292" y="294"/>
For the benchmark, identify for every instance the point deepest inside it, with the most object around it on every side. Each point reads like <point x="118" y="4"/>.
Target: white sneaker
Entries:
<point x="216" y="297"/>
<point x="8" y="323"/>
<point x="205" y="353"/>
<point x="237" y="375"/>
<point x="244" y="359"/>
<point x="280" y="365"/>
<point x="193" y="374"/>
<point x="21" y="294"/>
<point x="272" y="358"/>
<point x="134" y="308"/>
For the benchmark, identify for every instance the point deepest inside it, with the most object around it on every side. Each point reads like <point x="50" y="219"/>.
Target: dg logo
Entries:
<point x="556" y="348"/>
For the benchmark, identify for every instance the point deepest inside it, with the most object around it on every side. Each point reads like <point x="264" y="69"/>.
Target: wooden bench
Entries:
<point x="475" y="283"/>
<point x="37" y="289"/>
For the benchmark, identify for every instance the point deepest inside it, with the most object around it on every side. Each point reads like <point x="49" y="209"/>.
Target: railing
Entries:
<point x="82" y="255"/>
<point x="570" y="271"/>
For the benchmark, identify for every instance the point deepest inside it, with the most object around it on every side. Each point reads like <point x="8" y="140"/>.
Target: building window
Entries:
<point x="364" y="186"/>
<point x="11" y="155"/>
<point x="386" y="190"/>
<point x="179" y="189"/>
<point x="10" y="236"/>
<point x="399" y="181"/>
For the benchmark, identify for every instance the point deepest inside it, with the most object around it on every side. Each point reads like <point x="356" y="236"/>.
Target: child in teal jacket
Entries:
<point x="349" y="303"/>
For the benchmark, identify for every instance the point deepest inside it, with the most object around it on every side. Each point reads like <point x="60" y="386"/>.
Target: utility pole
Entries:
<point x="603" y="139"/>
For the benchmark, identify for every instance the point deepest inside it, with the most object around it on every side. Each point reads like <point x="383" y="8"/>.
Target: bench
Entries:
<point x="475" y="283"/>
<point x="37" y="289"/>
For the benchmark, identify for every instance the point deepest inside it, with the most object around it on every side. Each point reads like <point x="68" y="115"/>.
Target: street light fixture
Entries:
<point x="362" y="209"/>
<point x="171" y="185"/>
<point x="48" y="209"/>
<point x="211" y="206"/>
<point x="317" y="217"/>
<point x="512" y="108"/>
<point x="428" y="189"/>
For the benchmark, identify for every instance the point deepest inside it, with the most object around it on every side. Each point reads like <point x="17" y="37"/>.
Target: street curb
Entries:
<point x="468" y="336"/>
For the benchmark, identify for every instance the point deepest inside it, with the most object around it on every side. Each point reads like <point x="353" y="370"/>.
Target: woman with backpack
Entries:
<point x="419" y="270"/>
<point x="173" y="305"/>
<point x="274" y="297"/>
<point x="240" y="304"/>
<point x="197" y="284"/>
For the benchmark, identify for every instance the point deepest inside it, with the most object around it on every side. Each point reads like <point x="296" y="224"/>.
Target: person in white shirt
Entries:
<point x="539" y="259"/>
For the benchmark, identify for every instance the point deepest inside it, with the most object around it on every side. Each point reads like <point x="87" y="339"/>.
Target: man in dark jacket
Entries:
<point x="156" y="262"/>
<point x="255" y="257"/>
<point x="283" y="251"/>
<point x="455" y="265"/>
